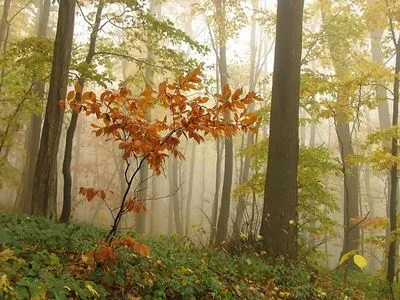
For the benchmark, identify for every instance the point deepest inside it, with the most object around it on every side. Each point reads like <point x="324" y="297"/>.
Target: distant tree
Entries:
<point x="223" y="217"/>
<point x="279" y="219"/>
<point x="4" y="22"/>
<point x="35" y="123"/>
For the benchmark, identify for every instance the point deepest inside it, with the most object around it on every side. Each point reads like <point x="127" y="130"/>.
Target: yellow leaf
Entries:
<point x="6" y="254"/>
<point x="360" y="261"/>
<point x="92" y="290"/>
<point x="346" y="256"/>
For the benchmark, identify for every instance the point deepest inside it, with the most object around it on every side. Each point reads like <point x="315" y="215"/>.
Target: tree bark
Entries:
<point x="45" y="182"/>
<point x="279" y="220"/>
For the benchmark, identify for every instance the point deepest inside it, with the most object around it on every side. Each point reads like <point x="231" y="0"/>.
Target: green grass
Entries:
<point x="41" y="259"/>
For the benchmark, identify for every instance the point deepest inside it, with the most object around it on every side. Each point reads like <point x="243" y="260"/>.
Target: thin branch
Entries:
<point x="390" y="17"/>
<point x="319" y="35"/>
<point x="83" y="15"/>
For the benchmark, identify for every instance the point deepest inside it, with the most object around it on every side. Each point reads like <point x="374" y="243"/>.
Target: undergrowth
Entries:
<point x="41" y="259"/>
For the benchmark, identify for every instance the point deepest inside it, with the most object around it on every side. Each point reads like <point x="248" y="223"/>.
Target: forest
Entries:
<point x="199" y="149"/>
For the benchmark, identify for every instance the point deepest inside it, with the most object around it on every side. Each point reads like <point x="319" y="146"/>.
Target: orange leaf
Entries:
<point x="240" y="105"/>
<point x="226" y="93"/>
<point x="202" y="100"/>
<point x="70" y="95"/>
<point x="237" y="94"/>
<point x="90" y="194"/>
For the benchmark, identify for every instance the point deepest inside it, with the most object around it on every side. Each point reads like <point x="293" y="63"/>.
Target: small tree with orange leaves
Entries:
<point x="123" y="119"/>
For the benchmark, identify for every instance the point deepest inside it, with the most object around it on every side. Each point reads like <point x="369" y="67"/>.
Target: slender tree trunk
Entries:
<point x="223" y="218"/>
<point x="35" y="124"/>
<point x="351" y="175"/>
<point x="312" y="134"/>
<point x="45" y="182"/>
<point x="175" y="198"/>
<point x="351" y="188"/>
<point x="214" y="211"/>
<point x="279" y="220"/>
<point x="393" y="175"/>
<point x="190" y="190"/>
<point x="140" y="219"/>
<point x="66" y="210"/>
<point x="250" y="135"/>
<point x="4" y="22"/>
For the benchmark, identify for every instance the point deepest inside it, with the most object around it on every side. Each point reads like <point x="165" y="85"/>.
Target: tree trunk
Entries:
<point x="223" y="218"/>
<point x="393" y="175"/>
<point x="241" y="207"/>
<point x="351" y="175"/>
<point x="66" y="210"/>
<point x="35" y="124"/>
<point x="190" y="190"/>
<point x="4" y="23"/>
<point x="351" y="187"/>
<point x="45" y="182"/>
<point x="312" y="134"/>
<point x="279" y="220"/>
<point x="214" y="211"/>
<point x="175" y="198"/>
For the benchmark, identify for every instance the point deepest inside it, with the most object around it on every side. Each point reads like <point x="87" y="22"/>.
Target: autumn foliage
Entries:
<point x="123" y="118"/>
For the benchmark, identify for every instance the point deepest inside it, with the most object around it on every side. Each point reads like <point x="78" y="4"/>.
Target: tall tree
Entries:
<point x="279" y="221"/>
<point x="250" y="135"/>
<point x="35" y="124"/>
<point x="66" y="210"/>
<point x="394" y="170"/>
<point x="45" y="182"/>
<point x="223" y="217"/>
<point x="339" y="53"/>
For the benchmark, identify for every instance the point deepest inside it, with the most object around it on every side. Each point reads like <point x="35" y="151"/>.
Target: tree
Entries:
<point x="4" y="23"/>
<point x="123" y="119"/>
<point x="338" y="54"/>
<point x="394" y="169"/>
<point x="241" y="206"/>
<point x="33" y="131"/>
<point x="279" y="220"/>
<point x="45" y="182"/>
<point x="223" y="217"/>
<point x="66" y="209"/>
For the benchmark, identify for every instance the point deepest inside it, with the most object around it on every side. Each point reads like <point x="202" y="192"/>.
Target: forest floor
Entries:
<point x="42" y="259"/>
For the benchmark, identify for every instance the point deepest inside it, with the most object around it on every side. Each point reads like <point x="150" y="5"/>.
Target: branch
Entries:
<point x="390" y="17"/>
<point x="319" y="35"/>
<point x="83" y="15"/>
